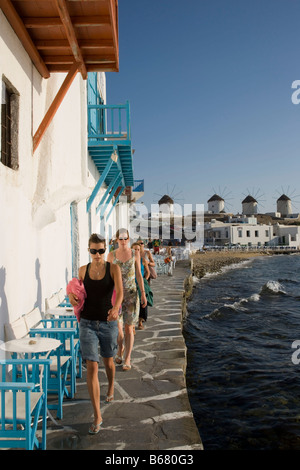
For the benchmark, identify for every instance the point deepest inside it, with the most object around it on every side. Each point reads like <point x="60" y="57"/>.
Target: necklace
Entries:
<point x="97" y="269"/>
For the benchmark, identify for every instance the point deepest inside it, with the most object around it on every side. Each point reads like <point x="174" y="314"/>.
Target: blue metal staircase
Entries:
<point x="109" y="145"/>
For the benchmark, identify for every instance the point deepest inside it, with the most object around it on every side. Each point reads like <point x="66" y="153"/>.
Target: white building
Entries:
<point x="248" y="232"/>
<point x="52" y="196"/>
<point x="288" y="235"/>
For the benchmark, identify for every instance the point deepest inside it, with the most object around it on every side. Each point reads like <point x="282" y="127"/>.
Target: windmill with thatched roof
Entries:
<point x="249" y="205"/>
<point x="216" y="204"/>
<point x="166" y="205"/>
<point x="284" y="205"/>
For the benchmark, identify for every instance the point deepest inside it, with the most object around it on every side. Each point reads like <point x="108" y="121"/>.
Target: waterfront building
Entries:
<point x="245" y="231"/>
<point x="66" y="161"/>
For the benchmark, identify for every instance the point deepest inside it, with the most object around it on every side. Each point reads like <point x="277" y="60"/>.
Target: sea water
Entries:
<point x="240" y="331"/>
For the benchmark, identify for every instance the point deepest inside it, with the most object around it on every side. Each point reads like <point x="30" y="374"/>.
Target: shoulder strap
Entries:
<point x="87" y="271"/>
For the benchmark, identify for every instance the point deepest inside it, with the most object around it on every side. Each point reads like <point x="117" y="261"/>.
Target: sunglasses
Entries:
<point x="123" y="238"/>
<point x="93" y="251"/>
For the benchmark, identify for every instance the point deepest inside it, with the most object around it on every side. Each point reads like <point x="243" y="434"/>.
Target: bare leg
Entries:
<point x="129" y="341"/>
<point x="94" y="389"/>
<point x="110" y="372"/>
<point x="120" y="340"/>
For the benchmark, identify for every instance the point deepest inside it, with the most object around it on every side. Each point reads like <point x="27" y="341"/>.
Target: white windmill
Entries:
<point x="170" y="200"/>
<point x="251" y="204"/>
<point x="285" y="203"/>
<point x="218" y="202"/>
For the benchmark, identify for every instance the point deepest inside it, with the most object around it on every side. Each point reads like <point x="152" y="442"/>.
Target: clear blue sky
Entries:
<point x="209" y="86"/>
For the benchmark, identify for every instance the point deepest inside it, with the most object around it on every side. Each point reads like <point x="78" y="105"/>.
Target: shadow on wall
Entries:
<point x="38" y="302"/>
<point x="3" y="302"/>
<point x="67" y="276"/>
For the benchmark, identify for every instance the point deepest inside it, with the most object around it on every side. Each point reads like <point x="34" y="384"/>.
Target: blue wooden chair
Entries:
<point x="34" y="320"/>
<point x="61" y="300"/>
<point x="62" y="365"/>
<point x="160" y="266"/>
<point x="69" y="322"/>
<point x="23" y="402"/>
<point x="72" y="350"/>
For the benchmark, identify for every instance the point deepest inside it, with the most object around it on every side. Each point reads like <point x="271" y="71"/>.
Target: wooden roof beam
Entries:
<point x="45" y="44"/>
<point x="40" y="1"/>
<point x="57" y="68"/>
<point x="71" y="36"/>
<point x="53" y="21"/>
<point x="55" y="105"/>
<point x="18" y="26"/>
<point x="89" y="59"/>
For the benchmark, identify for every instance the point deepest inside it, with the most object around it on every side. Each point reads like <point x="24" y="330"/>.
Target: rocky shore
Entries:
<point x="214" y="261"/>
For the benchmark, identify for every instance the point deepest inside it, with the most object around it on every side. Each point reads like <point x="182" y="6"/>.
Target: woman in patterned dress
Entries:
<point x="130" y="266"/>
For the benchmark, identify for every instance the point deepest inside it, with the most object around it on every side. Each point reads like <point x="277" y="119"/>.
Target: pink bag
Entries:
<point x="76" y="287"/>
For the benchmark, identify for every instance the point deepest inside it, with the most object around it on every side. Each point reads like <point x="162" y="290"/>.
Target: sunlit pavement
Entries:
<point x="151" y="409"/>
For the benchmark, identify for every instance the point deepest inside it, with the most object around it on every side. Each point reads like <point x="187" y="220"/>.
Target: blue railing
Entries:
<point x="109" y="122"/>
<point x="138" y="186"/>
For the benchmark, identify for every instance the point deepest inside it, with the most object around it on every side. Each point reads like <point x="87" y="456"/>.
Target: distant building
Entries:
<point x="216" y="204"/>
<point x="249" y="205"/>
<point x="284" y="206"/>
<point x="166" y="205"/>
<point x="247" y="232"/>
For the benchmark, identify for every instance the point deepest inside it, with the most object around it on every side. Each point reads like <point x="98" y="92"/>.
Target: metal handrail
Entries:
<point x="109" y="122"/>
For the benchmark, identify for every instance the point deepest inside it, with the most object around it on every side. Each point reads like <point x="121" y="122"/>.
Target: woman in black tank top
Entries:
<point x="99" y="294"/>
<point x="98" y="321"/>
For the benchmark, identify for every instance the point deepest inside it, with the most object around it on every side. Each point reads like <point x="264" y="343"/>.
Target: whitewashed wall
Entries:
<point x="258" y="234"/>
<point x="251" y="234"/>
<point x="287" y="233"/>
<point x="35" y="222"/>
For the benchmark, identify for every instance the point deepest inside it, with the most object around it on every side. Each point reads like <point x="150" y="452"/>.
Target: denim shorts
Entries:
<point x="94" y="333"/>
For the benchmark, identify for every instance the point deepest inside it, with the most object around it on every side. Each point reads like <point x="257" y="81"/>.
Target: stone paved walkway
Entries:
<point x="151" y="409"/>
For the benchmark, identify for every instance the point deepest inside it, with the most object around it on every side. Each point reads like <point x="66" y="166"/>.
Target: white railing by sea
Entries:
<point x="252" y="248"/>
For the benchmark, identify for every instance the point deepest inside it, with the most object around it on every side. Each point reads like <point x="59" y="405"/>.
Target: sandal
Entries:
<point x="126" y="367"/>
<point x="118" y="359"/>
<point x="109" y="398"/>
<point x="94" y="428"/>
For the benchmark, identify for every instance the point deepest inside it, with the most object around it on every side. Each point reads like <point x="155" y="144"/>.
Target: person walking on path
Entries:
<point x="130" y="266"/>
<point x="156" y="245"/>
<point x="98" y="321"/>
<point x="151" y="263"/>
<point x="144" y="261"/>
<point x="143" y="314"/>
<point x="150" y="244"/>
<point x="170" y="256"/>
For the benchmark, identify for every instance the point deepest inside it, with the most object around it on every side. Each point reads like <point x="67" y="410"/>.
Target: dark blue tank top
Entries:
<point x="99" y="294"/>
